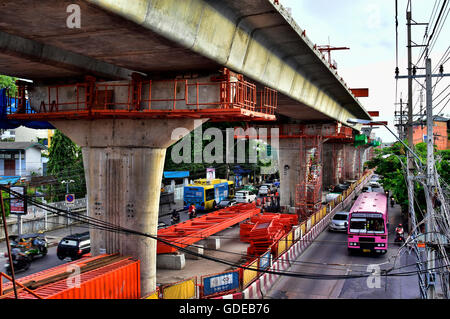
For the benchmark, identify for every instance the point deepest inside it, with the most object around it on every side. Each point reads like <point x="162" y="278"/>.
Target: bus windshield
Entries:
<point x="374" y="225"/>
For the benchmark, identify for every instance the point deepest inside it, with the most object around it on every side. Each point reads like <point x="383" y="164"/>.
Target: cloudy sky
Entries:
<point x="367" y="27"/>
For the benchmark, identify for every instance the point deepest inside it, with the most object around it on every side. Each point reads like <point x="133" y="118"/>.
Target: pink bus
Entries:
<point x="367" y="227"/>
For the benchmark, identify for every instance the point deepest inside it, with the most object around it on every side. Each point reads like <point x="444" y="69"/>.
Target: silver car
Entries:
<point x="339" y="222"/>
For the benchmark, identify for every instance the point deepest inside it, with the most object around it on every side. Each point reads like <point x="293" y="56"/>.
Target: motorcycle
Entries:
<point x="33" y="245"/>
<point x="21" y="261"/>
<point x="399" y="235"/>
<point x="392" y="201"/>
<point x="175" y="218"/>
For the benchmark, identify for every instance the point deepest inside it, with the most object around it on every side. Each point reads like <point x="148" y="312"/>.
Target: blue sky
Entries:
<point x="367" y="27"/>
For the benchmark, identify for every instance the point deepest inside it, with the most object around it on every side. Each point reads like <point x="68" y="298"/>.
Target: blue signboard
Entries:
<point x="220" y="283"/>
<point x="264" y="260"/>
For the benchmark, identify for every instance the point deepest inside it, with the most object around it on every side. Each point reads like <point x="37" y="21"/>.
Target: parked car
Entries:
<point x="374" y="185"/>
<point x="375" y="178"/>
<point x="226" y="203"/>
<point x="263" y="190"/>
<point x="339" y="188"/>
<point x="331" y="196"/>
<point x="250" y="188"/>
<point x="339" y="222"/>
<point x="367" y="189"/>
<point x="245" y="197"/>
<point x="74" y="246"/>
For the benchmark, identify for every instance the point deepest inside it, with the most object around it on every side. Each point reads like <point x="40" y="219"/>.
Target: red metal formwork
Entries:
<point x="308" y="195"/>
<point x="193" y="230"/>
<point x="262" y="231"/>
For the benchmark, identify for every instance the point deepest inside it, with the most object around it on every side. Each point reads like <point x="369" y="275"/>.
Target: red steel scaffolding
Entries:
<point x="227" y="96"/>
<point x="308" y="193"/>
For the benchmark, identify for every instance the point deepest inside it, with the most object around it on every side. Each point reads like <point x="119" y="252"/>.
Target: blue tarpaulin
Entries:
<point x="4" y="180"/>
<point x="180" y="174"/>
<point x="11" y="124"/>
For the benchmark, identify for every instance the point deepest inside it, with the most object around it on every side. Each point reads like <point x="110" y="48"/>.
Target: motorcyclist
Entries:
<point x="192" y="213"/>
<point x="20" y="260"/>
<point x="399" y="232"/>
<point x="175" y="217"/>
<point x="392" y="201"/>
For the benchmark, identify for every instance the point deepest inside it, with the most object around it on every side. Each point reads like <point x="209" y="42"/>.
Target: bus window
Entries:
<point x="210" y="194"/>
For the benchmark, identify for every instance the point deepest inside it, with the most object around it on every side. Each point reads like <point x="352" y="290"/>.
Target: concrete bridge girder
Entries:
<point x="212" y="30"/>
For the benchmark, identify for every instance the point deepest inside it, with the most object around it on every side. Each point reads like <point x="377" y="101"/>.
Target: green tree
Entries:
<point x="390" y="163"/>
<point x="8" y="83"/>
<point x="198" y="170"/>
<point x="65" y="163"/>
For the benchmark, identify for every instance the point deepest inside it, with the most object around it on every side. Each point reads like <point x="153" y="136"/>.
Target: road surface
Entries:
<point x="328" y="255"/>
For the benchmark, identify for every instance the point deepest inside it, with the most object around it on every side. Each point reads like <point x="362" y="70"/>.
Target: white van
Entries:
<point x="264" y="189"/>
<point x="244" y="197"/>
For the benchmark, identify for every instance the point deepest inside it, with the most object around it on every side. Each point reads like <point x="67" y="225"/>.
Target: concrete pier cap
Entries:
<point x="124" y="162"/>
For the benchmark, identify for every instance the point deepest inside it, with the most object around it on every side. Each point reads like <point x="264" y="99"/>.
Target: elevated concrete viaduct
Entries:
<point x="103" y="85"/>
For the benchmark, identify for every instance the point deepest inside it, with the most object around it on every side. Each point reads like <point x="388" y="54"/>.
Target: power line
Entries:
<point x="114" y="228"/>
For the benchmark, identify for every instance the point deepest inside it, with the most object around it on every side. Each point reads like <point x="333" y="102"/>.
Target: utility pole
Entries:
<point x="402" y="136"/>
<point x="409" y="128"/>
<point x="431" y="255"/>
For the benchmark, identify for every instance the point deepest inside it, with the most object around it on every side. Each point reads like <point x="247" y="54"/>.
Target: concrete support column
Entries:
<point x="124" y="189"/>
<point x="289" y="161"/>
<point x="329" y="167"/>
<point x="350" y="162"/>
<point x="124" y="162"/>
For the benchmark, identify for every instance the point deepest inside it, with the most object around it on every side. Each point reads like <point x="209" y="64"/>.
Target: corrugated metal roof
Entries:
<point x="20" y="145"/>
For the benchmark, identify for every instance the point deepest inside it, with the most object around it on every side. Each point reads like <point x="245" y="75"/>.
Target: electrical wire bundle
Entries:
<point x="106" y="226"/>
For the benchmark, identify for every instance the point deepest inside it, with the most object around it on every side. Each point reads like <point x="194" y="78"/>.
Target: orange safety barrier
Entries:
<point x="193" y="230"/>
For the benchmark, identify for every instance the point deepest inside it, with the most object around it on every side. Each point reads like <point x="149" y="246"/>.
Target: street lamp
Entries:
<point x="369" y="122"/>
<point x="67" y="184"/>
